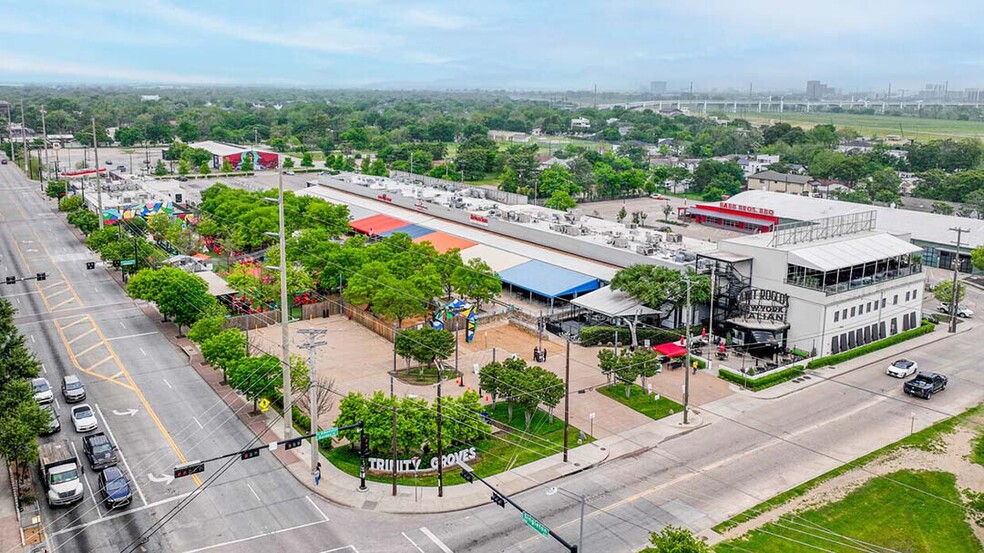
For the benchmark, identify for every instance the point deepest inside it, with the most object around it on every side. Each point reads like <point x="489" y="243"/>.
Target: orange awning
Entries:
<point x="377" y="224"/>
<point x="443" y="242"/>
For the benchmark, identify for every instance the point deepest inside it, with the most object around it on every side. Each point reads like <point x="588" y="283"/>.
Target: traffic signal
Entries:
<point x="291" y="444"/>
<point x="250" y="453"/>
<point x="364" y="449"/>
<point x="11" y="280"/>
<point x="469" y="477"/>
<point x="40" y="276"/>
<point x="498" y="500"/>
<point x="116" y="263"/>
<point x="188" y="469"/>
<point x="90" y="265"/>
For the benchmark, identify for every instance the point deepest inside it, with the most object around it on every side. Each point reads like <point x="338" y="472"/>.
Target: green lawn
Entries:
<point x="912" y="127"/>
<point x="641" y="401"/>
<point x="887" y="512"/>
<point x="978" y="454"/>
<point x="499" y="453"/>
<point x="927" y="439"/>
<point x="428" y="375"/>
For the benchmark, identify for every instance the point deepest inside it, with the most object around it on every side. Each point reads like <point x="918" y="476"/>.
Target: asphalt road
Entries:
<point x="148" y="398"/>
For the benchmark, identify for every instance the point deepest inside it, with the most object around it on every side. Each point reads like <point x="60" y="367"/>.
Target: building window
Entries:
<point x="867" y="334"/>
<point x="834" y="345"/>
<point x="883" y="302"/>
<point x="881" y="330"/>
<point x="851" y="344"/>
<point x="895" y="300"/>
<point x="895" y="326"/>
<point x="837" y="316"/>
<point x="852" y="311"/>
<point x="907" y="295"/>
<point x="844" y="313"/>
<point x="843" y="340"/>
<point x="859" y="336"/>
<point x="861" y="309"/>
<point x="868" y="310"/>
<point x="905" y="322"/>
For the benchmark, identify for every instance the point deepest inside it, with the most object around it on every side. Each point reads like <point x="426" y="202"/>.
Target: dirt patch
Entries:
<point x="952" y="454"/>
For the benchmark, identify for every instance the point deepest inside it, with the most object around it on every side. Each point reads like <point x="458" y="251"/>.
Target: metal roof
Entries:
<point x="216" y="285"/>
<point x="498" y="260"/>
<point x="612" y="303"/>
<point x="548" y="280"/>
<point x="414" y="231"/>
<point x="377" y="224"/>
<point x="842" y="252"/>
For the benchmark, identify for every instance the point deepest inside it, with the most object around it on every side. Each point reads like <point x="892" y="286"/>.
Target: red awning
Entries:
<point x="377" y="224"/>
<point x="671" y="349"/>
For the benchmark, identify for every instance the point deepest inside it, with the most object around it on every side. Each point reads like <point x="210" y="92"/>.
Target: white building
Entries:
<point x="580" y="123"/>
<point x="829" y="285"/>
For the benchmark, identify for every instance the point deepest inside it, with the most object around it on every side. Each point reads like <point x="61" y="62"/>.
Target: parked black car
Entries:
<point x="100" y="451"/>
<point x="54" y="425"/>
<point x="925" y="385"/>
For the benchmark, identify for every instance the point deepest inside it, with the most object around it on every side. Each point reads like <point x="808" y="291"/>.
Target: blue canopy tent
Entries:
<point x="549" y="281"/>
<point x="415" y="231"/>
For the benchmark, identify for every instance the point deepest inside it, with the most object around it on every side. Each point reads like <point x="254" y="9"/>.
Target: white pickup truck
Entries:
<point x="61" y="472"/>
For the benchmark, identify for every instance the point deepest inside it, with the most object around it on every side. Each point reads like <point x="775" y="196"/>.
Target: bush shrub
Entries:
<point x="764" y="382"/>
<point x="926" y="328"/>
<point x="70" y="203"/>
<point x="602" y="335"/>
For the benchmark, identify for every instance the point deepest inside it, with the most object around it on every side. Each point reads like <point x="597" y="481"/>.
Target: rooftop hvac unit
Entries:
<point x="674" y="238"/>
<point x="645" y="250"/>
<point x="523" y="217"/>
<point x="620" y="242"/>
<point x="571" y="230"/>
<point x="557" y="227"/>
<point x="654" y="238"/>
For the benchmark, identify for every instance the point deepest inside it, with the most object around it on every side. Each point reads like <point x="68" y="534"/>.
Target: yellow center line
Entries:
<point x="80" y="336"/>
<point x="143" y="400"/>
<point x="75" y="360"/>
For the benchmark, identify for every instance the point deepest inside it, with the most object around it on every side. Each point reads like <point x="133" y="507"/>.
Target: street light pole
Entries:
<point x="313" y="408"/>
<point x="582" y="499"/>
<point x="956" y="271"/>
<point x="44" y="134"/>
<point x="686" y="374"/>
<point x="567" y="397"/>
<point x="95" y="152"/>
<point x="284" y="312"/>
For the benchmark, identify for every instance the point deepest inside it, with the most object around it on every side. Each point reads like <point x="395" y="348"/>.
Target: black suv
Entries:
<point x="925" y="385"/>
<point x="100" y="451"/>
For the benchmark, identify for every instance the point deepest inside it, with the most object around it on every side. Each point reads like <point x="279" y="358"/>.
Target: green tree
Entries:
<point x="425" y="345"/>
<point x="476" y="281"/>
<point x="622" y="214"/>
<point x="224" y="349"/>
<point x="206" y="327"/>
<point x="975" y="200"/>
<point x="160" y="169"/>
<point x="158" y="225"/>
<point x="186" y="131"/>
<point x="977" y="258"/>
<point x="288" y="162"/>
<point x="204" y="169"/>
<point x="70" y="203"/>
<point x="184" y="167"/>
<point x="672" y="539"/>
<point x="712" y="194"/>
<point x="85" y="220"/>
<point x="556" y="178"/>
<point x="560" y="200"/>
<point x="307" y="160"/>
<point x="226" y="167"/>
<point x="943" y="291"/>
<point x="884" y="186"/>
<point x="246" y="164"/>
<point x="55" y="189"/>
<point x="185" y="298"/>
<point x="942" y="208"/>
<point x="254" y="377"/>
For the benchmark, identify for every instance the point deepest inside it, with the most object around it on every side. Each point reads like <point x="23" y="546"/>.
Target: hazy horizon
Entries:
<point x="620" y="45"/>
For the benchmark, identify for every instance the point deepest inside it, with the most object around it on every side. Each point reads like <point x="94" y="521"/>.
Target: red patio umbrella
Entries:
<point x="670" y="349"/>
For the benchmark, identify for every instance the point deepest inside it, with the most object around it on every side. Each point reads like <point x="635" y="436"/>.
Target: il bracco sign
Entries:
<point x="415" y="464"/>
<point x="763" y="305"/>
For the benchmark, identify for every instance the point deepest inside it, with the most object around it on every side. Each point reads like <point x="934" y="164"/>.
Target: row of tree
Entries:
<point x="520" y="385"/>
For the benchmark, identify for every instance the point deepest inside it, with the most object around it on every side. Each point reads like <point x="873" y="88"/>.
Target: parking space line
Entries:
<point x="263" y="535"/>
<point x="80" y="336"/>
<point x="92" y="489"/>
<point x="433" y="538"/>
<point x="133" y="477"/>
<point x="256" y="495"/>
<point x="169" y="387"/>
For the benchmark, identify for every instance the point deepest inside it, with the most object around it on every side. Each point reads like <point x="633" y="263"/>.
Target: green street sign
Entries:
<point x="127" y="262"/>
<point x="535" y="524"/>
<point x="327" y="433"/>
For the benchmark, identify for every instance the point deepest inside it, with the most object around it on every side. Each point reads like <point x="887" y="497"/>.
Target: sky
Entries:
<point x="496" y="44"/>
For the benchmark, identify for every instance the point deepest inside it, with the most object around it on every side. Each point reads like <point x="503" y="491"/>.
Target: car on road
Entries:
<point x="54" y="425"/>
<point x="183" y="178"/>
<point x="963" y="311"/>
<point x="100" y="451"/>
<point x="3" y="161"/>
<point x="42" y="390"/>
<point x="72" y="389"/>
<point x="115" y="487"/>
<point x="924" y="385"/>
<point x="84" y="418"/>
<point x="289" y="173"/>
<point x="902" y="368"/>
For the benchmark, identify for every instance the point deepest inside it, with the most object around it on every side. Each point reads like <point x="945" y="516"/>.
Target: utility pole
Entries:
<point x="284" y="312"/>
<point x="956" y="271"/>
<point x="686" y="374"/>
<point x="440" y="446"/>
<point x="95" y="152"/>
<point x="44" y="134"/>
<point x="27" y="171"/>
<point x="710" y="318"/>
<point x="313" y="408"/>
<point x="393" y="399"/>
<point x="567" y="397"/>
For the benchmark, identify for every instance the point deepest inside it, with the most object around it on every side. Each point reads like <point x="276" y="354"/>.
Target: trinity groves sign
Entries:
<point x="415" y="464"/>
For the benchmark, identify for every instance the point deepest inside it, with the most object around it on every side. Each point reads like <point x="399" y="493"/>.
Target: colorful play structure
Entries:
<point x="457" y="308"/>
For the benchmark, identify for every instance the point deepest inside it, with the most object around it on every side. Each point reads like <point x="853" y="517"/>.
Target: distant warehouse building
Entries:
<point x="931" y="232"/>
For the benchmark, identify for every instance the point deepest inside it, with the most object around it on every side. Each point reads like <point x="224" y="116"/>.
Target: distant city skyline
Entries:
<point x="620" y="45"/>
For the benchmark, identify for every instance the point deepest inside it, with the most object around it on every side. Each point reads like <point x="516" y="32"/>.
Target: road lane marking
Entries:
<point x="21" y="294"/>
<point x="413" y="543"/>
<point x="75" y="322"/>
<point x="433" y="538"/>
<point x="33" y="341"/>
<point x="88" y="349"/>
<point x="57" y="305"/>
<point x="352" y="547"/>
<point x="100" y="362"/>
<point x="123" y="325"/>
<point x="130" y="336"/>
<point x="128" y="512"/>
<point x="53" y="294"/>
<point x="75" y="360"/>
<point x="263" y="535"/>
<point x="316" y="508"/>
<point x="169" y="385"/>
<point x="143" y="400"/>
<point x="198" y="423"/>
<point x="256" y="495"/>
<point x="80" y="336"/>
<point x="43" y="368"/>
<point x="133" y="477"/>
<point x="143" y="352"/>
<point x="92" y="489"/>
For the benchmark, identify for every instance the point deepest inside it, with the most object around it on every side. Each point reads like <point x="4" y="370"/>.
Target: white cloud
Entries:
<point x="12" y="63"/>
<point x="424" y="16"/>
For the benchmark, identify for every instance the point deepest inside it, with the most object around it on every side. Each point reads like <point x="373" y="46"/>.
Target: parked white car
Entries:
<point x="42" y="390"/>
<point x="84" y="418"/>
<point x="962" y="310"/>
<point x="902" y="368"/>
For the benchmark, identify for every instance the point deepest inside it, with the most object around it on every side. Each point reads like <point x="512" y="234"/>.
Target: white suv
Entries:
<point x="42" y="390"/>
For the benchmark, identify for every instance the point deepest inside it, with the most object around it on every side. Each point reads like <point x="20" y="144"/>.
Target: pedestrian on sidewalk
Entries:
<point x="317" y="475"/>
<point x="695" y="367"/>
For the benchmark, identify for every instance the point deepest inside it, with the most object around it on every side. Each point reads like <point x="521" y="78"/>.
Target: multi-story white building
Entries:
<point x="821" y="286"/>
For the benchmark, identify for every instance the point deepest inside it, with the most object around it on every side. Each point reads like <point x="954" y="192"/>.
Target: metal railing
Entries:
<point x="814" y="283"/>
